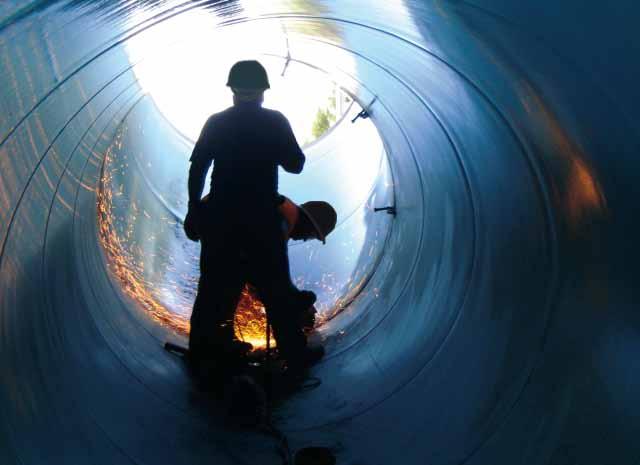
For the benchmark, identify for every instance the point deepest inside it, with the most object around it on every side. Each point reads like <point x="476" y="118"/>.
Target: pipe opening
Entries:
<point x="143" y="193"/>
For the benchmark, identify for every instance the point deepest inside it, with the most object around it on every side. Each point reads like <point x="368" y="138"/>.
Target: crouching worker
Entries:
<point x="311" y="220"/>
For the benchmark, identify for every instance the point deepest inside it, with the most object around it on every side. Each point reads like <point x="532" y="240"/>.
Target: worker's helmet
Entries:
<point x="321" y="215"/>
<point x="248" y="75"/>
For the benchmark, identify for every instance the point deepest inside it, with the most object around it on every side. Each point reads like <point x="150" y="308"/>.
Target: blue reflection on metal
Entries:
<point x="499" y="322"/>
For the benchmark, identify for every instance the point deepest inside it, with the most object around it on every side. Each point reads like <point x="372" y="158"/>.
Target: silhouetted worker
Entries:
<point x="241" y="223"/>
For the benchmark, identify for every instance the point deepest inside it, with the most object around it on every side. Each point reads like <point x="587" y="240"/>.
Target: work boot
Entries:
<point x="215" y="364"/>
<point x="205" y="370"/>
<point x="233" y="349"/>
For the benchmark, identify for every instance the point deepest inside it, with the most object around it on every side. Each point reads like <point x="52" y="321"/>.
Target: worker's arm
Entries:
<point x="200" y="162"/>
<point x="291" y="156"/>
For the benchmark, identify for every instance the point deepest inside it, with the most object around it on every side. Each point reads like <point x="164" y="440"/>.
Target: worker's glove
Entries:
<point x="191" y="223"/>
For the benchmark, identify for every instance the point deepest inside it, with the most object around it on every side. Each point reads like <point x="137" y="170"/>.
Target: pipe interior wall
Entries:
<point x="500" y="323"/>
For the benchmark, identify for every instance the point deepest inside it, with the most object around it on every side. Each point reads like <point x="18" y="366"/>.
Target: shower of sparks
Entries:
<point x="121" y="258"/>
<point x="156" y="266"/>
<point x="250" y="322"/>
<point x="128" y="268"/>
<point x="146" y="251"/>
<point x="125" y="261"/>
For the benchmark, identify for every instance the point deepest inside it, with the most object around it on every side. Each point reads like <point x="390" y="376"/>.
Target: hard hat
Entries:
<point x="247" y="75"/>
<point x="322" y="216"/>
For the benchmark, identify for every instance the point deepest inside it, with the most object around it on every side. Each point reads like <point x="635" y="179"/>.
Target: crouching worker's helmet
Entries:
<point x="317" y="219"/>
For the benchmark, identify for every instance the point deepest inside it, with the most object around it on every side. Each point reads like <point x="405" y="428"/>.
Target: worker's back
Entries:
<point x="247" y="143"/>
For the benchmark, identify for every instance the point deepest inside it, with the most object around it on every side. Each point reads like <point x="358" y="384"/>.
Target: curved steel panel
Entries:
<point x="500" y="323"/>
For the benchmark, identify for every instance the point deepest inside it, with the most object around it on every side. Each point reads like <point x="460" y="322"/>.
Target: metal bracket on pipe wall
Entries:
<point x="288" y="60"/>
<point x="286" y="64"/>
<point x="365" y="113"/>
<point x="389" y="210"/>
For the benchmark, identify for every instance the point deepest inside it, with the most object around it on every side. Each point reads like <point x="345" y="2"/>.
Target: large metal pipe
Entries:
<point x="500" y="324"/>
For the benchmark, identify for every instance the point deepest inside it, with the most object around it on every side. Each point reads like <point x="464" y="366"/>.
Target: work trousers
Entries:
<point x="236" y="249"/>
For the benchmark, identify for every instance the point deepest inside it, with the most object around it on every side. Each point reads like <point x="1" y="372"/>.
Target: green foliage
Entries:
<point x="323" y="121"/>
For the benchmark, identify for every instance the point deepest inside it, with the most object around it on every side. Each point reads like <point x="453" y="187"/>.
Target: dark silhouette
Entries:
<point x="241" y="228"/>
